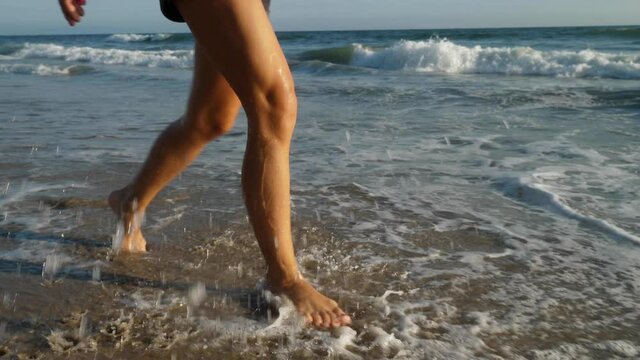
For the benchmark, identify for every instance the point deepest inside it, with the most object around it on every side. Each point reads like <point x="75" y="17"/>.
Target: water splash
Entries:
<point x="51" y="266"/>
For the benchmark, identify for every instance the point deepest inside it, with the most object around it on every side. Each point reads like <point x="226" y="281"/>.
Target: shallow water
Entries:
<point x="474" y="197"/>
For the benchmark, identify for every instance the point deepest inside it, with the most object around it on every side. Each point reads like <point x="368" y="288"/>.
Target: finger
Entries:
<point x="80" y="10"/>
<point x="68" y="15"/>
<point x="75" y="16"/>
<point x="72" y="10"/>
<point x="69" y="20"/>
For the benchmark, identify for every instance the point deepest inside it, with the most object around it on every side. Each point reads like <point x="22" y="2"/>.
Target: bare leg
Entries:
<point x="238" y="38"/>
<point x="211" y="112"/>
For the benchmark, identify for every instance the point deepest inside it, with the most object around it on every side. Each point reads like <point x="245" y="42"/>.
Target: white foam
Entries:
<point x="41" y="69"/>
<point x="139" y="37"/>
<point x="180" y="59"/>
<point x="527" y="190"/>
<point x="619" y="347"/>
<point x="387" y="343"/>
<point x="346" y="338"/>
<point x="443" y="56"/>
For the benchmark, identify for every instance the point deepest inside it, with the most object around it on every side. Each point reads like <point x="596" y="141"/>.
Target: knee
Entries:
<point x="275" y="112"/>
<point x="205" y="126"/>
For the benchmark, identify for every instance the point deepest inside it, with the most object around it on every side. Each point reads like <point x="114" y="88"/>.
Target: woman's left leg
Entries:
<point x="211" y="112"/>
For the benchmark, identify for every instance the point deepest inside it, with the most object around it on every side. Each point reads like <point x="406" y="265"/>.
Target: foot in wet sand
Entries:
<point x="317" y="309"/>
<point x="130" y="239"/>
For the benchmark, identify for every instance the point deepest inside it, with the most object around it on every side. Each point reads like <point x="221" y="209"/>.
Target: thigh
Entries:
<point x="212" y="99"/>
<point x="238" y="38"/>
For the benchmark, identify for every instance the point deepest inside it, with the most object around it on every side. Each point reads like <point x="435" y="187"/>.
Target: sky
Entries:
<point x="120" y="16"/>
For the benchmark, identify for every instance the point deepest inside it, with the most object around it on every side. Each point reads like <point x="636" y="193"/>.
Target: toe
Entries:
<point x="340" y="318"/>
<point x="308" y="319"/>
<point x="317" y="320"/>
<point x="326" y="317"/>
<point x="345" y="320"/>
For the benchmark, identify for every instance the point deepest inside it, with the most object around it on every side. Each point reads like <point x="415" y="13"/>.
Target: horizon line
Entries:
<point x="353" y="30"/>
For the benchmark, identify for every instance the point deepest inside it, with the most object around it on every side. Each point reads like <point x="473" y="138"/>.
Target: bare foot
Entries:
<point x="318" y="310"/>
<point x="128" y="236"/>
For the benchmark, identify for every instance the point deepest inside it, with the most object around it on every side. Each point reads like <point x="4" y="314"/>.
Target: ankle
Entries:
<point x="281" y="280"/>
<point x="128" y="201"/>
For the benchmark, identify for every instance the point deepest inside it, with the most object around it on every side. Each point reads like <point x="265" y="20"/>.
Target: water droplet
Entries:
<point x="446" y="140"/>
<point x="506" y="124"/>
<point x="240" y="269"/>
<point x="51" y="265"/>
<point x="118" y="237"/>
<point x="197" y="294"/>
<point x="83" y="329"/>
<point x="6" y="300"/>
<point x="347" y="135"/>
<point x="95" y="273"/>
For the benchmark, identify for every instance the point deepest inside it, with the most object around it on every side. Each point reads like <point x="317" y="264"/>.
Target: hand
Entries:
<point x="72" y="10"/>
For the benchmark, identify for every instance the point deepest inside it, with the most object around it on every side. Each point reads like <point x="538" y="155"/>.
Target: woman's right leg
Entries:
<point x="238" y="38"/>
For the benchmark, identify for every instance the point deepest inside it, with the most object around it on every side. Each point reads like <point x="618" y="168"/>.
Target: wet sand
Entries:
<point x="197" y="294"/>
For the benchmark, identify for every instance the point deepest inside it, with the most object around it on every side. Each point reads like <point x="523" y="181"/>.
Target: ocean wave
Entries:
<point x="140" y="37"/>
<point x="8" y="49"/>
<point x="619" y="32"/>
<point x="45" y="70"/>
<point x="445" y="57"/>
<point x="528" y="191"/>
<point x="180" y="59"/>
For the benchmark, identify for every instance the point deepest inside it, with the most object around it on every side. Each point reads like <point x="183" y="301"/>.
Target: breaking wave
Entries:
<point x="45" y="70"/>
<point x="180" y="59"/>
<point x="445" y="57"/>
<point x="141" y="37"/>
<point x="529" y="192"/>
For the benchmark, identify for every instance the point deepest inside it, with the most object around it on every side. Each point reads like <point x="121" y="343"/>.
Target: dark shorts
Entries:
<point x="170" y="11"/>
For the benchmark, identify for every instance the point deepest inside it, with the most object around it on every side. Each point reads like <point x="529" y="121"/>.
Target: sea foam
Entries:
<point x="139" y="37"/>
<point x="525" y="189"/>
<point x="180" y="59"/>
<point x="446" y="57"/>
<point x="44" y="70"/>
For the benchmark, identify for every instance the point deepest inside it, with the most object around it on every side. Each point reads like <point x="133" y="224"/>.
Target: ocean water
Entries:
<point x="464" y="194"/>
